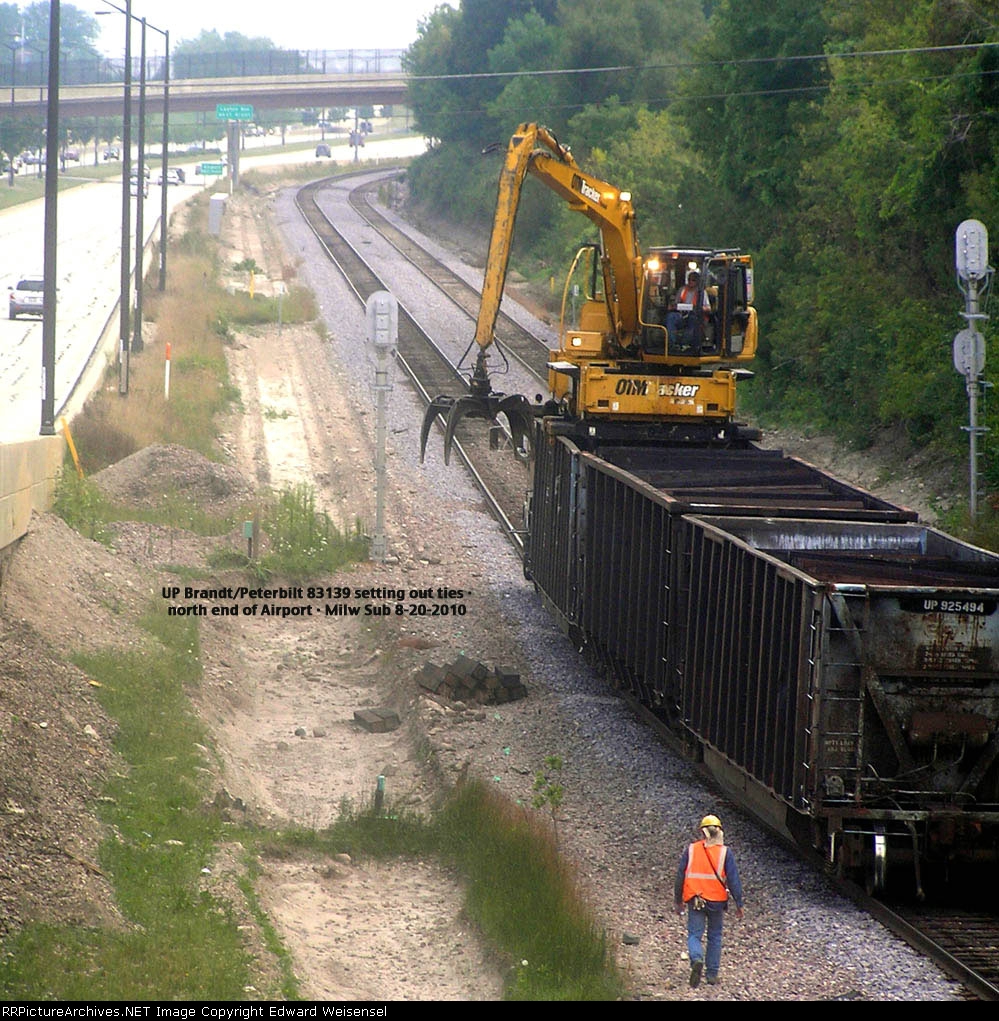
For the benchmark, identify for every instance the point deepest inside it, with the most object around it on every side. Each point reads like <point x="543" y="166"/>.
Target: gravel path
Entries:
<point x="630" y="804"/>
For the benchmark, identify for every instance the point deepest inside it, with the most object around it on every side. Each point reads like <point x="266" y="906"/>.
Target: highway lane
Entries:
<point x="89" y="271"/>
<point x="88" y="263"/>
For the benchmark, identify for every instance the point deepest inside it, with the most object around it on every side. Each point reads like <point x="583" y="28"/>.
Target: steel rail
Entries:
<point x="335" y="245"/>
<point x="512" y="339"/>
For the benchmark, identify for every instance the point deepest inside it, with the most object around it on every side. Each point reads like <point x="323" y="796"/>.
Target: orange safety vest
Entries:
<point x="689" y="296"/>
<point x="700" y="878"/>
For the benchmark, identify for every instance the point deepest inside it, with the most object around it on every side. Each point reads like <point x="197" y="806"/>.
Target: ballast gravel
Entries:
<point x="631" y="804"/>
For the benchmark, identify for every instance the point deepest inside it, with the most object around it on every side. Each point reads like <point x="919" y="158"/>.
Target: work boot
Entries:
<point x="695" y="973"/>
<point x="712" y="980"/>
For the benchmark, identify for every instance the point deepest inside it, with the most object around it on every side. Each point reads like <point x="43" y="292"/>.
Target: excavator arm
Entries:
<point x="534" y="149"/>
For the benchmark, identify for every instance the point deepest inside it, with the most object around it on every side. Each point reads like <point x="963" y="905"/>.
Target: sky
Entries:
<point x="290" y="24"/>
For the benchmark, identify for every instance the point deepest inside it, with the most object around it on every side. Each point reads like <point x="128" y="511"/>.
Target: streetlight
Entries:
<point x="163" y="156"/>
<point x="51" y="232"/>
<point x="140" y="196"/>
<point x="12" y="46"/>
<point x="137" y="342"/>
<point x="126" y="173"/>
<point x="41" y="67"/>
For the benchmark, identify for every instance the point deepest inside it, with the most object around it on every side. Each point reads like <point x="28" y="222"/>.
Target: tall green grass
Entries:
<point x="304" y="541"/>
<point x="521" y="893"/>
<point x="524" y="897"/>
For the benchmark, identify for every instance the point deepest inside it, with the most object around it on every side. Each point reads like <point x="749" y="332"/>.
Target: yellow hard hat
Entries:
<point x="710" y="820"/>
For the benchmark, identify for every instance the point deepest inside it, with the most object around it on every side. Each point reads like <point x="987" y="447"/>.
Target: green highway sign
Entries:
<point x="233" y="112"/>
<point x="207" y="169"/>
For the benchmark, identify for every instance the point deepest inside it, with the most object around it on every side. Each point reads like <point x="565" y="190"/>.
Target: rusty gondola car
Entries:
<point x="834" y="662"/>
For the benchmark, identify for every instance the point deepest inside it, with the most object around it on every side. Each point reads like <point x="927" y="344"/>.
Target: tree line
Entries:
<point x="840" y="141"/>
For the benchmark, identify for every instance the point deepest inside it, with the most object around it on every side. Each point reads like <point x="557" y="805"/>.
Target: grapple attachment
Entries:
<point x="518" y="410"/>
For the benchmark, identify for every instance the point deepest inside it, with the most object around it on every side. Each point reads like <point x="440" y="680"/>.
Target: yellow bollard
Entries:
<point x="72" y="446"/>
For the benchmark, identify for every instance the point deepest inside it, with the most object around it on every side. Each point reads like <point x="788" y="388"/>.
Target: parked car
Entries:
<point x="27" y="297"/>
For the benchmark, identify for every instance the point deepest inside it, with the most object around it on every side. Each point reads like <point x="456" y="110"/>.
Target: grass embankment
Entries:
<point x="179" y="942"/>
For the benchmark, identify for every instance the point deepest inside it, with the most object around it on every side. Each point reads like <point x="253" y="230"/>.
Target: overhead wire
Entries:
<point x="687" y="66"/>
<point x="697" y="65"/>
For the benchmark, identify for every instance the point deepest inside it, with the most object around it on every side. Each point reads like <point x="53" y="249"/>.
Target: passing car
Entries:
<point x="133" y="187"/>
<point x="72" y="155"/>
<point x="173" y="176"/>
<point x="323" y="150"/>
<point x="27" y="296"/>
<point x="112" y="152"/>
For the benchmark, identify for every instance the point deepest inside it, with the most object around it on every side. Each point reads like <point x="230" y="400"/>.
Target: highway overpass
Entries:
<point x="264" y="92"/>
<point x="266" y="79"/>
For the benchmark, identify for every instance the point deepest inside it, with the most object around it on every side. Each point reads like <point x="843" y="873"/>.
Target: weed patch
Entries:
<point x="520" y="892"/>
<point x="304" y="542"/>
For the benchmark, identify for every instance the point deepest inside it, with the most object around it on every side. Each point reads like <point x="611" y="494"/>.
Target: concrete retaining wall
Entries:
<point x="27" y="481"/>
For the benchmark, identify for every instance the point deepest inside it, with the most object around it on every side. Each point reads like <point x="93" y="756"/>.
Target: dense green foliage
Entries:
<point x="841" y="141"/>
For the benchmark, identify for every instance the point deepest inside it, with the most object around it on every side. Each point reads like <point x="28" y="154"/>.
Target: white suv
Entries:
<point x="27" y="297"/>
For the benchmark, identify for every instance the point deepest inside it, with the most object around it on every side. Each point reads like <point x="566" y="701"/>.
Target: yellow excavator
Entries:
<point x="646" y="339"/>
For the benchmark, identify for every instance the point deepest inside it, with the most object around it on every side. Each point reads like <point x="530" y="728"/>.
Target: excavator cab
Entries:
<point x="696" y="306"/>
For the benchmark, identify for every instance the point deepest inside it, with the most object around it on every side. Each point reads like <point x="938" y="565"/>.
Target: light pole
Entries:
<point x="140" y="185"/>
<point x="47" y="427"/>
<point x="140" y="196"/>
<point x="41" y="68"/>
<point x="125" y="299"/>
<point x="13" y="59"/>
<point x="163" y="156"/>
<point x="13" y="47"/>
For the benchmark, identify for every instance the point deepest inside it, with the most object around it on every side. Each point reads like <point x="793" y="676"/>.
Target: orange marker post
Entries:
<point x="166" y="375"/>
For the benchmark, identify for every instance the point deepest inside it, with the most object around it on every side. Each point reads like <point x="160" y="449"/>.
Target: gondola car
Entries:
<point x="833" y="662"/>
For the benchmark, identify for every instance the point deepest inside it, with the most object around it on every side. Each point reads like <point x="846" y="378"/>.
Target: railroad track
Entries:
<point x="514" y="340"/>
<point x="964" y="944"/>
<point x="502" y="480"/>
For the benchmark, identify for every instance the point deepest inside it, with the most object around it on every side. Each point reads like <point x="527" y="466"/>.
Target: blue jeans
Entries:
<point x="685" y="332"/>
<point x="713" y="916"/>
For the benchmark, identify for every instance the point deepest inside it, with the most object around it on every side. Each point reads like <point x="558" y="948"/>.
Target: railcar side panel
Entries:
<point x="556" y="518"/>
<point x="903" y="738"/>
<point x="740" y="665"/>
<point x="626" y="566"/>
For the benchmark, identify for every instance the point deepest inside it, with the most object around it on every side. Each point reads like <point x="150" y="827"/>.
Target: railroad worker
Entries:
<point x="705" y="879"/>
<point x="690" y="296"/>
